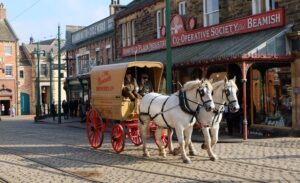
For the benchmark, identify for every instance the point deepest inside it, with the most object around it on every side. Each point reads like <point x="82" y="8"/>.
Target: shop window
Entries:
<point x="83" y="64"/>
<point x="158" y="23"/>
<point x="210" y="12"/>
<point x="181" y="7"/>
<point x="259" y="6"/>
<point x="271" y="97"/>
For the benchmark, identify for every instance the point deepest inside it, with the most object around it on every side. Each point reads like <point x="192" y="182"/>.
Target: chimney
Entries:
<point x="31" y="40"/>
<point x="2" y="12"/>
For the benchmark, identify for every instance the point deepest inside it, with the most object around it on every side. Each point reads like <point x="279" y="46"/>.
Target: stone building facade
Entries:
<point x="255" y="40"/>
<point x="8" y="63"/>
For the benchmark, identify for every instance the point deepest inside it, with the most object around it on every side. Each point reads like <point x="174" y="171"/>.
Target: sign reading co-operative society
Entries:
<point x="180" y="36"/>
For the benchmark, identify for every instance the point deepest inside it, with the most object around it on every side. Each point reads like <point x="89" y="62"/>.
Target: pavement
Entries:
<point x="49" y="152"/>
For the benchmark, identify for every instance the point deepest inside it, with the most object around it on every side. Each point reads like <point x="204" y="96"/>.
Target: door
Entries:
<point x="25" y="105"/>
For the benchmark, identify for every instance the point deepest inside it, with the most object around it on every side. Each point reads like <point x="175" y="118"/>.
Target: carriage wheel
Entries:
<point x="135" y="136"/>
<point x="94" y="129"/>
<point x="164" y="138"/>
<point x="117" y="137"/>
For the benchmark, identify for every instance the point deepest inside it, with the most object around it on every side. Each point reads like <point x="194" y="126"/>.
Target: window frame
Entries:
<point x="206" y="14"/>
<point x="8" y="50"/>
<point x="124" y="38"/>
<point x="158" y="23"/>
<point x="182" y="8"/>
<point x="6" y="66"/>
<point x="133" y="32"/>
<point x="21" y="74"/>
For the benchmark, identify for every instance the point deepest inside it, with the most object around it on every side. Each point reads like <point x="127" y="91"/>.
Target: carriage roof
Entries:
<point x="107" y="81"/>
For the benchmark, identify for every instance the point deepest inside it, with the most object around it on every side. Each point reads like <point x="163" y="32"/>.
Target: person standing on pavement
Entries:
<point x="2" y="109"/>
<point x="75" y="107"/>
<point x="53" y="111"/>
<point x="65" y="107"/>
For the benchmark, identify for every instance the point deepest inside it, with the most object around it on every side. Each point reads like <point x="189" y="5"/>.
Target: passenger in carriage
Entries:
<point x="145" y="85"/>
<point x="130" y="87"/>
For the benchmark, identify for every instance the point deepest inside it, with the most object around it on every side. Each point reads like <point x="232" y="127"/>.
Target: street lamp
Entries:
<point x="37" y="52"/>
<point x="50" y="61"/>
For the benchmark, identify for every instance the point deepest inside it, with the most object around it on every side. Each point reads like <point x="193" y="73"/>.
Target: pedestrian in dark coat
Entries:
<point x="53" y="111"/>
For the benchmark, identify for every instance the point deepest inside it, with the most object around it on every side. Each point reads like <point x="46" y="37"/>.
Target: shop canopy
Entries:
<point x="265" y="45"/>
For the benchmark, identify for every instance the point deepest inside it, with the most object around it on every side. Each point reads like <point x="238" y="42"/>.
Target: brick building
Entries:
<point x="255" y="40"/>
<point x="48" y="78"/>
<point x="87" y="47"/>
<point x="8" y="60"/>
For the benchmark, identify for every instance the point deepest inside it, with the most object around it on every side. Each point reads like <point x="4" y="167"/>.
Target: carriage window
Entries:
<point x="272" y="102"/>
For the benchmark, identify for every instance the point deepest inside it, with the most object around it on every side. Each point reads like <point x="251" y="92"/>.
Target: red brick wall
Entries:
<point x="9" y="82"/>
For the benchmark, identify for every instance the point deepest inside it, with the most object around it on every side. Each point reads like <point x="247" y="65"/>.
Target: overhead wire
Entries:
<point x="25" y="10"/>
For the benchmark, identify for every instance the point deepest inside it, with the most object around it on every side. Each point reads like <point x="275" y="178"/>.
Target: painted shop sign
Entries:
<point x="180" y="36"/>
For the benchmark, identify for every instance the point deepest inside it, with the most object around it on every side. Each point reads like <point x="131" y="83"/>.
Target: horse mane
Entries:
<point x="195" y="83"/>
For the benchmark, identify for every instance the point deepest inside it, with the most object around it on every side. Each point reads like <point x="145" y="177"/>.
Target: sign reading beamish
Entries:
<point x="270" y="19"/>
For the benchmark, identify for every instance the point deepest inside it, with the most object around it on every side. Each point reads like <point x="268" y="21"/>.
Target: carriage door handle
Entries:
<point x="118" y="96"/>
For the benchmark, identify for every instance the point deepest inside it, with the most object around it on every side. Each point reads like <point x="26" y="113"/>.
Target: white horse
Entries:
<point x="176" y="111"/>
<point x="225" y="95"/>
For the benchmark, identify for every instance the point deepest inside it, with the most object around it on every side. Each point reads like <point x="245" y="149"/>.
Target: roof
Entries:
<point x="261" y="42"/>
<point x="6" y="32"/>
<point x="134" y="6"/>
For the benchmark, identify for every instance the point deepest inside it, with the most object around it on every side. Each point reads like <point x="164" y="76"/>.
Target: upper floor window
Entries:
<point x="181" y="7"/>
<point x="133" y="32"/>
<point x="158" y="23"/>
<point x="21" y="74"/>
<point x="8" y="70"/>
<point x="259" y="6"/>
<point x="44" y="70"/>
<point x="123" y="35"/>
<point x="99" y="58"/>
<point x="8" y="50"/>
<point x="128" y="33"/>
<point x="210" y="12"/>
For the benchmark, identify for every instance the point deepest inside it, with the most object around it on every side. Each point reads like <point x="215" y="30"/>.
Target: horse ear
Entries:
<point x="234" y="78"/>
<point x="226" y="79"/>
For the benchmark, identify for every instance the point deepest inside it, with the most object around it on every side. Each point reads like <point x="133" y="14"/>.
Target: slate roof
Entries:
<point x="6" y="32"/>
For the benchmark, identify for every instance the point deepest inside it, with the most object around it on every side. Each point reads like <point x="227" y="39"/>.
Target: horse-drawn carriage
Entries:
<point x="109" y="108"/>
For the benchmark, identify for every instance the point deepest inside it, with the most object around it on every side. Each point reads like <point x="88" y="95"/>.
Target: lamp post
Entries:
<point x="59" y="78"/>
<point x="38" y="103"/>
<point x="168" y="45"/>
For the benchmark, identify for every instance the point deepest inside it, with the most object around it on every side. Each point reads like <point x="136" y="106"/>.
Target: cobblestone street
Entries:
<point x="47" y="152"/>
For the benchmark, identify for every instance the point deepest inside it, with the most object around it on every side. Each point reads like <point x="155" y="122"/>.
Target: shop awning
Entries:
<point x="269" y="43"/>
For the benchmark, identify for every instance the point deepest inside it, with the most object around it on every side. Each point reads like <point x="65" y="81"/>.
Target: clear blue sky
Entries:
<point x="40" y="18"/>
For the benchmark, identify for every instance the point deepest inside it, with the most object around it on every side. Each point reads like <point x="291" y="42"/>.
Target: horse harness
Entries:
<point x="183" y="103"/>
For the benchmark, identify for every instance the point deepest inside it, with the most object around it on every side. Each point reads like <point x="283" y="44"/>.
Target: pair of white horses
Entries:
<point x="197" y="101"/>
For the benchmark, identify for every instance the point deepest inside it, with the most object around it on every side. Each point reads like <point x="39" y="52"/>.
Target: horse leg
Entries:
<point x="170" y="143"/>
<point x="180" y="136"/>
<point x="214" y="134"/>
<point x="143" y="124"/>
<point x="208" y="143"/>
<point x="161" y="148"/>
<point x="188" y="140"/>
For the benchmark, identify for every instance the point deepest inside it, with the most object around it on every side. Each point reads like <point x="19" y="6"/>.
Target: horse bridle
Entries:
<point x="227" y="94"/>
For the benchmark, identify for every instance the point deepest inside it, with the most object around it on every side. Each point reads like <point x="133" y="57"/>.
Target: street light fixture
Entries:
<point x="51" y="60"/>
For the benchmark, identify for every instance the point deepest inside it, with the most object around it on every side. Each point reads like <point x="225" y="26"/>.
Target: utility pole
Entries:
<point x="59" y="79"/>
<point x="168" y="45"/>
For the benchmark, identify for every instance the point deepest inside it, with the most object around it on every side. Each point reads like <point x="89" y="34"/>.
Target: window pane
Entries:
<point x="8" y="70"/>
<point x="8" y="50"/>
<point x="272" y="104"/>
<point x="158" y="23"/>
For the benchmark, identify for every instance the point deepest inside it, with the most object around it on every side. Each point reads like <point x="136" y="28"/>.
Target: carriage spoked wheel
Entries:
<point x="135" y="136"/>
<point x="117" y="137"/>
<point x="164" y="138"/>
<point x="94" y="128"/>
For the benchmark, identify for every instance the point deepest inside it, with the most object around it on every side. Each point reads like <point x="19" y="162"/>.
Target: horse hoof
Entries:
<point x="163" y="154"/>
<point x="146" y="155"/>
<point x="176" y="151"/>
<point x="213" y="158"/>
<point x="187" y="161"/>
<point x="203" y="146"/>
<point x="192" y="153"/>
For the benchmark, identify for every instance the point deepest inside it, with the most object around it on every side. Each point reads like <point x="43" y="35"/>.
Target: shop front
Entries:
<point x="255" y="49"/>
